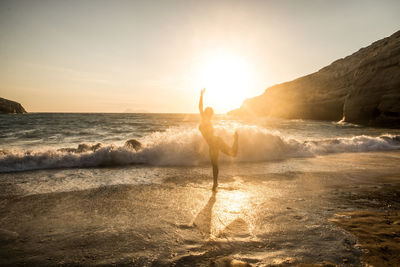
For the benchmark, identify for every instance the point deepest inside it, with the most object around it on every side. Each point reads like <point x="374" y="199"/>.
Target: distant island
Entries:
<point x="362" y="88"/>
<point x="8" y="106"/>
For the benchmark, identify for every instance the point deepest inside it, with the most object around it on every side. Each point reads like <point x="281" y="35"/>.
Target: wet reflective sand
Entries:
<point x="279" y="214"/>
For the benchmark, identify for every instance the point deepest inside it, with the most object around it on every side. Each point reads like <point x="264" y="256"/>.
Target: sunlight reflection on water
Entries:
<point x="230" y="212"/>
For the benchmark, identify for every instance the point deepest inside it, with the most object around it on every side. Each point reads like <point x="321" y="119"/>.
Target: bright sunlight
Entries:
<point x="227" y="78"/>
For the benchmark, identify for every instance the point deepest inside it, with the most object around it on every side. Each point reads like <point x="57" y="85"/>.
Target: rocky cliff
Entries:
<point x="8" y="106"/>
<point x="362" y="88"/>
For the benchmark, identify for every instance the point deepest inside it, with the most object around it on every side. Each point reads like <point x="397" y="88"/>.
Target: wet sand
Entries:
<point x="377" y="225"/>
<point x="378" y="235"/>
<point x="334" y="210"/>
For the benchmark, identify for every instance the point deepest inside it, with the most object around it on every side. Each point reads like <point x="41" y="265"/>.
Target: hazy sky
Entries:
<point x="110" y="56"/>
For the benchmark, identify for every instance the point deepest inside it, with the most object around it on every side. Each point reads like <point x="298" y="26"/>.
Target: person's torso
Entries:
<point x="207" y="130"/>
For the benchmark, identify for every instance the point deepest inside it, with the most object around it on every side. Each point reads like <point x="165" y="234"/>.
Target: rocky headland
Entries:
<point x="8" y="106"/>
<point x="362" y="88"/>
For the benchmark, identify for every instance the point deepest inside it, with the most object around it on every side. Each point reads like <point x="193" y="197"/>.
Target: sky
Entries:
<point x="156" y="56"/>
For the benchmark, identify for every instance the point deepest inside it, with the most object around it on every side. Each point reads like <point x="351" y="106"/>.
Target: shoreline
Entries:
<point x="279" y="217"/>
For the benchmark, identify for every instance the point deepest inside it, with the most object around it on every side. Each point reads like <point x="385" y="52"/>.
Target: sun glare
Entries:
<point x="226" y="78"/>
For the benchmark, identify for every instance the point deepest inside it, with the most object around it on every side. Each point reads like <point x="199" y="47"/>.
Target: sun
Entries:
<point x="227" y="78"/>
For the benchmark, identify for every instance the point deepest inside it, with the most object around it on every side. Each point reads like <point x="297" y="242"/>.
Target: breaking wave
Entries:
<point x="187" y="147"/>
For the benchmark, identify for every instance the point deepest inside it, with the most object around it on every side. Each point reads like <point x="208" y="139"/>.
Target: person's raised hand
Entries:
<point x="203" y="90"/>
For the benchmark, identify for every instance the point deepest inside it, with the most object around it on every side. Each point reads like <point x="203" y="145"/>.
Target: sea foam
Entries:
<point x="186" y="147"/>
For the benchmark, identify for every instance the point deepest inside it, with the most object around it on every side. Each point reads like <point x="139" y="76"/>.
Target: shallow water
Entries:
<point x="271" y="214"/>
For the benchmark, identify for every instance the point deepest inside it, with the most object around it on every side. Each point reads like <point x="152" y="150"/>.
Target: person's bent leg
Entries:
<point x="230" y="151"/>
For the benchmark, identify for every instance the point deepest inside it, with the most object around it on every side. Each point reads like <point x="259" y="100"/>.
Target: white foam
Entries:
<point x="178" y="146"/>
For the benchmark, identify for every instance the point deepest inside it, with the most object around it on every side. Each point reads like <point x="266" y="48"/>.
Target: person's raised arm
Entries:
<point x="201" y="102"/>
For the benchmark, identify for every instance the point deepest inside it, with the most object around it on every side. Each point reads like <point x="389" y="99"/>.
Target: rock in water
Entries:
<point x="82" y="148"/>
<point x="133" y="144"/>
<point x="8" y="106"/>
<point x="362" y="88"/>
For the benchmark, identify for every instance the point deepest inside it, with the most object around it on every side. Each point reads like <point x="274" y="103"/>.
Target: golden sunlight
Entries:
<point x="229" y="214"/>
<point x="227" y="78"/>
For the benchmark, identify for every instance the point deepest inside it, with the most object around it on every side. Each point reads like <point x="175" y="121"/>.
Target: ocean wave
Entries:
<point x="186" y="147"/>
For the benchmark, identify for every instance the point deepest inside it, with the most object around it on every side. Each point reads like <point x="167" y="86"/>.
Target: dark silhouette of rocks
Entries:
<point x="362" y="88"/>
<point x="82" y="148"/>
<point x="133" y="144"/>
<point x="8" y="106"/>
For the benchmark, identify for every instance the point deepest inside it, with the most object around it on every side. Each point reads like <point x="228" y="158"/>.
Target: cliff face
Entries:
<point x="8" y="106"/>
<point x="362" y="88"/>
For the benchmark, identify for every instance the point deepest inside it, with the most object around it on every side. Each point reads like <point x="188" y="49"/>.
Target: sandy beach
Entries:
<point x="339" y="209"/>
<point x="200" y="133"/>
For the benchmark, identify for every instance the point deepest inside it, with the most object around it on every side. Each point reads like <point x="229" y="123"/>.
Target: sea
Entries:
<point x="79" y="145"/>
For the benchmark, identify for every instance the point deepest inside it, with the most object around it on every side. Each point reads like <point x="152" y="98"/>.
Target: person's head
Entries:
<point x="208" y="113"/>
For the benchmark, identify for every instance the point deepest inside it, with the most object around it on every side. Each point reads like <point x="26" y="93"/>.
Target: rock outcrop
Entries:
<point x="133" y="144"/>
<point x="362" y="88"/>
<point x="8" y="106"/>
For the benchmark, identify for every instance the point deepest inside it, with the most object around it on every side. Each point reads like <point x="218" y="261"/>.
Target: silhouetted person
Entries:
<point x="215" y="143"/>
